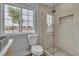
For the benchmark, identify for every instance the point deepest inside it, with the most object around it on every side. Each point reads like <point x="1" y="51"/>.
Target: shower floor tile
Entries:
<point x="58" y="52"/>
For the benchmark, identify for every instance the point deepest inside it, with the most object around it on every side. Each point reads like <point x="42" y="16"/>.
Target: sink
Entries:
<point x="3" y="41"/>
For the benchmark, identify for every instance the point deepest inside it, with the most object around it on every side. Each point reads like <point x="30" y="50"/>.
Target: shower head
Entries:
<point x="53" y="11"/>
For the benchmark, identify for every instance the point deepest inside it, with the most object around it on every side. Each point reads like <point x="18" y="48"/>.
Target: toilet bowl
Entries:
<point x="36" y="49"/>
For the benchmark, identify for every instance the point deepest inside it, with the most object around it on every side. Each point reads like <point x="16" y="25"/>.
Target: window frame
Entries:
<point x="28" y="18"/>
<point x="50" y="28"/>
<point x="21" y="7"/>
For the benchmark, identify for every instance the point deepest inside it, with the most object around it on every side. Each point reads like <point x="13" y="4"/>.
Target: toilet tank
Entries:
<point x="33" y="39"/>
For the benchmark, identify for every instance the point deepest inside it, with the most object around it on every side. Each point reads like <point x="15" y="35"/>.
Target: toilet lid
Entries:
<point x="37" y="48"/>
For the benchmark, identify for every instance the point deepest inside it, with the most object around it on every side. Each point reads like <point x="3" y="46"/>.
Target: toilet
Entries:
<point x="36" y="50"/>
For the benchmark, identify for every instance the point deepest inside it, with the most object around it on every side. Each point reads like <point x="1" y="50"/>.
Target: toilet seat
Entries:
<point x="37" y="50"/>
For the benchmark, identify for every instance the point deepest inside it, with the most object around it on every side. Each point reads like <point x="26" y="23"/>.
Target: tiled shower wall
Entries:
<point x="70" y="46"/>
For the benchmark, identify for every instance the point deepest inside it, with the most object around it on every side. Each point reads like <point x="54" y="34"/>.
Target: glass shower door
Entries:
<point x="50" y="33"/>
<point x="47" y="33"/>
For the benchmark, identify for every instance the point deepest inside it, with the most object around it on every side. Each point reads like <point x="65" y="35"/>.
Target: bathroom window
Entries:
<point x="49" y="23"/>
<point x="12" y="16"/>
<point x="27" y="25"/>
<point x="18" y="20"/>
